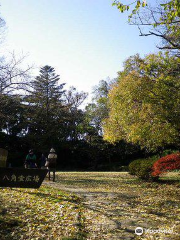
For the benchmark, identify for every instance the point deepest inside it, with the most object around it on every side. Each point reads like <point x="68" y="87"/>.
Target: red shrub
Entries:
<point x="165" y="164"/>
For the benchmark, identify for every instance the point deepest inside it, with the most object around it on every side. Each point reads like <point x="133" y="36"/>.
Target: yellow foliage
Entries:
<point x="144" y="108"/>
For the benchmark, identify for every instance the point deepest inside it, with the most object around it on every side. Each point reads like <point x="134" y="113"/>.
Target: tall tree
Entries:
<point x="75" y="116"/>
<point x="144" y="104"/>
<point x="98" y="110"/>
<point x="13" y="77"/>
<point x="46" y="106"/>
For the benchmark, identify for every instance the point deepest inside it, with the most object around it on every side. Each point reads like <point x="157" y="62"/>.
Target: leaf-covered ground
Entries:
<point x="117" y="203"/>
<point x="84" y="205"/>
<point x="46" y="213"/>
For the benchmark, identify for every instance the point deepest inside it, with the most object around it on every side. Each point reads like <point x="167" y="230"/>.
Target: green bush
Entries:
<point x="134" y="166"/>
<point x="142" y="168"/>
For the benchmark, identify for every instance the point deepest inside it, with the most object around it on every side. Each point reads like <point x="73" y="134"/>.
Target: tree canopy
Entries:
<point x="172" y="7"/>
<point x="144" y="103"/>
<point x="161" y="20"/>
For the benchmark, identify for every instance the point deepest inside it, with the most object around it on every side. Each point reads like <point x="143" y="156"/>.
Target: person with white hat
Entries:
<point x="52" y="157"/>
<point x="51" y="163"/>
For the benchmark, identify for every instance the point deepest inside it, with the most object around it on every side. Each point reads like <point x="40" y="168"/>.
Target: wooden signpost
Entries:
<point x="19" y="177"/>
<point x="22" y="178"/>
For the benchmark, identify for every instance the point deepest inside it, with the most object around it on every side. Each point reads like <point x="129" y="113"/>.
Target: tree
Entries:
<point x="46" y="106"/>
<point x="162" y="21"/>
<point x="12" y="115"/>
<point x="144" y="104"/>
<point x="12" y="76"/>
<point x="98" y="110"/>
<point x="75" y="116"/>
<point x="74" y="98"/>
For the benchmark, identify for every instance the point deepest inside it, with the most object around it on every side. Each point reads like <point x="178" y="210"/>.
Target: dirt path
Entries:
<point x="114" y="205"/>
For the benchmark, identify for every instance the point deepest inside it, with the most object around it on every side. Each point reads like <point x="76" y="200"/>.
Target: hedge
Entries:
<point x="142" y="168"/>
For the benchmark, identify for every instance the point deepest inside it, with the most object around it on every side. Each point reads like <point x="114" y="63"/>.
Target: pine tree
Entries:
<point x="46" y="105"/>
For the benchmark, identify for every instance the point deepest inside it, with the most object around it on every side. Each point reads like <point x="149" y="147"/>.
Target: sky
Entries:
<point x="84" y="40"/>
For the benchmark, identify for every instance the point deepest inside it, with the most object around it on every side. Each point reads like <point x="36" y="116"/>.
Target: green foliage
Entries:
<point x="45" y="107"/>
<point x="162" y="20"/>
<point x="122" y="7"/>
<point x="12" y="115"/>
<point x="144" y="104"/>
<point x="97" y="111"/>
<point x="172" y="7"/>
<point x="168" y="151"/>
<point x="133" y="166"/>
<point x="142" y="168"/>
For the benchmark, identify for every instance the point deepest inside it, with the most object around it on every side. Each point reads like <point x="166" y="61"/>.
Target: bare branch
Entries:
<point x="12" y="75"/>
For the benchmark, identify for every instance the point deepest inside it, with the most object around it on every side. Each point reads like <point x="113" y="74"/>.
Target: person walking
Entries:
<point x="51" y="160"/>
<point x="51" y="163"/>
